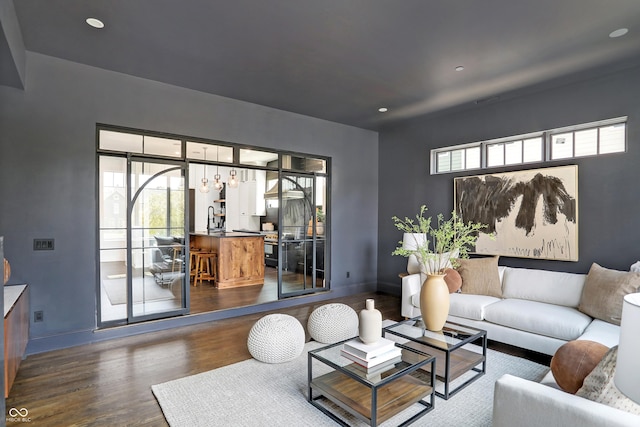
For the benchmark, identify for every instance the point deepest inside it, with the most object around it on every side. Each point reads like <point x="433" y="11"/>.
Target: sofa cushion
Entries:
<point x="165" y="244"/>
<point x="453" y="280"/>
<point x="550" y="320"/>
<point x="480" y="276"/>
<point x="599" y="386"/>
<point x="574" y="360"/>
<point x="603" y="332"/>
<point x="469" y="306"/>
<point x="523" y="403"/>
<point x="604" y="290"/>
<point x="553" y="287"/>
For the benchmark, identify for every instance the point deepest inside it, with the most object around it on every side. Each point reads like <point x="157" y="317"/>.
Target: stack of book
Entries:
<point x="372" y="358"/>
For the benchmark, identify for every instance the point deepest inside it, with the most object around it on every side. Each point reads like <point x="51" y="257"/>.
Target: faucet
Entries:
<point x="210" y="213"/>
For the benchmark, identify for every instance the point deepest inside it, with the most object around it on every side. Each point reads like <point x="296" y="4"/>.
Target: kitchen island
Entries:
<point x="240" y="260"/>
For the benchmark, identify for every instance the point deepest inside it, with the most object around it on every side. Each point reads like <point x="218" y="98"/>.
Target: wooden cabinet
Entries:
<point x="16" y="331"/>
<point x="240" y="257"/>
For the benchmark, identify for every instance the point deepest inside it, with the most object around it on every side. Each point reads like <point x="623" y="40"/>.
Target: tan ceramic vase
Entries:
<point x="434" y="302"/>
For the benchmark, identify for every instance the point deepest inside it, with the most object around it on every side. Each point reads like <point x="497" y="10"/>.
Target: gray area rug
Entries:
<point x="253" y="393"/>
<point x="116" y="290"/>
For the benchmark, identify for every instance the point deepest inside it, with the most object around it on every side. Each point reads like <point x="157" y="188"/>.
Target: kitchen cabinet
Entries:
<point x="240" y="257"/>
<point x="245" y="204"/>
<point x="16" y="331"/>
<point x="255" y="189"/>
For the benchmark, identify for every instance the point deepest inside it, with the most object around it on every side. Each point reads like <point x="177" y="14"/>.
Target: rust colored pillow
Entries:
<point x="574" y="360"/>
<point x="453" y="280"/>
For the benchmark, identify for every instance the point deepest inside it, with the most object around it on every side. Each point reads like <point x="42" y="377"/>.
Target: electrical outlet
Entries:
<point x="38" y="316"/>
<point x="43" y="244"/>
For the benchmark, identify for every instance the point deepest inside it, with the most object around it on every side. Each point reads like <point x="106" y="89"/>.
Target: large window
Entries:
<point x="458" y="159"/>
<point x="589" y="142"/>
<point x="157" y="190"/>
<point x="588" y="139"/>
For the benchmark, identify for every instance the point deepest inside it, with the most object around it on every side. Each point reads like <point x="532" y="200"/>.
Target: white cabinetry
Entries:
<point x="245" y="204"/>
<point x="233" y="208"/>
<point x="255" y="188"/>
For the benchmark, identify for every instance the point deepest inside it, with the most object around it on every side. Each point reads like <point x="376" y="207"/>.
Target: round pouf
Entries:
<point x="276" y="338"/>
<point x="331" y="323"/>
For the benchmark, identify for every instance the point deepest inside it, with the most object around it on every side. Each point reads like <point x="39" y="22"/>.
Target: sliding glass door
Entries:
<point x="302" y="238"/>
<point x="157" y="212"/>
<point x="142" y="240"/>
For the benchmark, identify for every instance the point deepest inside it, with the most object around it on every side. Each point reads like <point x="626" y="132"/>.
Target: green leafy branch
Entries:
<point x="444" y="243"/>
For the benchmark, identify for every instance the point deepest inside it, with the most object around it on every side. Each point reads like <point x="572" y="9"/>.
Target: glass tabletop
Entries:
<point x="409" y="359"/>
<point x="452" y="336"/>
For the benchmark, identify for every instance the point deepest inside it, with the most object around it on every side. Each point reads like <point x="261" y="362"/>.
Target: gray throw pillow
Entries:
<point x="604" y="290"/>
<point x="480" y="276"/>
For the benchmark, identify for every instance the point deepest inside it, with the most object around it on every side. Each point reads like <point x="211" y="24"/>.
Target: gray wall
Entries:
<point x="2" y="375"/>
<point x="12" y="53"/>
<point x="47" y="171"/>
<point x="608" y="192"/>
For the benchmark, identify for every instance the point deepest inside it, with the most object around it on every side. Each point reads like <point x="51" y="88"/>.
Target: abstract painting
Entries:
<point x="532" y="213"/>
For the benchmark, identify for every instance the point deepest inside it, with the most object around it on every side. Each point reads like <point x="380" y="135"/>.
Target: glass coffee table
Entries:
<point x="452" y="347"/>
<point x="375" y="395"/>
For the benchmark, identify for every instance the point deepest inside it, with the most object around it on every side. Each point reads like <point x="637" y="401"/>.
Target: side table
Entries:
<point x="370" y="397"/>
<point x="450" y="347"/>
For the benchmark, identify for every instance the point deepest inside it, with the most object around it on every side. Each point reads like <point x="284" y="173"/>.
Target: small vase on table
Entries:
<point x="370" y="326"/>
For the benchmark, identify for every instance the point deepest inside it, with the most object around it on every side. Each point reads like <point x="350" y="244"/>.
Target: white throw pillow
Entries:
<point x="599" y="386"/>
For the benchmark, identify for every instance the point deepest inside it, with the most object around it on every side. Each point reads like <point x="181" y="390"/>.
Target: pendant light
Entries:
<point x="233" y="179"/>
<point x="204" y="187"/>
<point x="217" y="182"/>
<point x="217" y="179"/>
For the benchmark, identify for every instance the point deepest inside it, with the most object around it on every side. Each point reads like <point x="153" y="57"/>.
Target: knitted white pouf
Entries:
<point x="331" y="323"/>
<point x="276" y="338"/>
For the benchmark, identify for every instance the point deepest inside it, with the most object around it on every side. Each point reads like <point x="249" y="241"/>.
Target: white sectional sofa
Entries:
<point x="538" y="310"/>
<point x="523" y="403"/>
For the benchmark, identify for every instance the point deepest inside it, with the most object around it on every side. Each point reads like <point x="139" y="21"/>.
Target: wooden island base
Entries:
<point x="240" y="257"/>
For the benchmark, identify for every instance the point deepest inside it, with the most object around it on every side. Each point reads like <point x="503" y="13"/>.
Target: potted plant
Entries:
<point x="436" y="247"/>
<point x="320" y="215"/>
<point x="319" y="223"/>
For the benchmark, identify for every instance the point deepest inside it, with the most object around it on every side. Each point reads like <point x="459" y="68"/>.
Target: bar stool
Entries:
<point x="206" y="267"/>
<point x="193" y="262"/>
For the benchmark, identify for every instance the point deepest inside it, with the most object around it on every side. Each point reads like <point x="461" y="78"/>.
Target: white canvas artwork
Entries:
<point x="532" y="213"/>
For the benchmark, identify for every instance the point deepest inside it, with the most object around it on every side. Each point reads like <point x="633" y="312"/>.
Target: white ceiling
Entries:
<point x="341" y="60"/>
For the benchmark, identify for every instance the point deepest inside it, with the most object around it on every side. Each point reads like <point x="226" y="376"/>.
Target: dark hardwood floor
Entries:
<point x="206" y="297"/>
<point x="109" y="383"/>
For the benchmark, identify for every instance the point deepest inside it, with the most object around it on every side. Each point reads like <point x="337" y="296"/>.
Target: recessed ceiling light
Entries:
<point x="95" y="23"/>
<point x="459" y="68"/>
<point x="618" y="33"/>
<point x="383" y="109"/>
